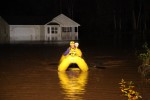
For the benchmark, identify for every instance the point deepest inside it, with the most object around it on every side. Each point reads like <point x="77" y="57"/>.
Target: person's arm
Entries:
<point x="66" y="52"/>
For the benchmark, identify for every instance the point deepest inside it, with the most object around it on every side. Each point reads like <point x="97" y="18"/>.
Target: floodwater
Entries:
<point x="29" y="72"/>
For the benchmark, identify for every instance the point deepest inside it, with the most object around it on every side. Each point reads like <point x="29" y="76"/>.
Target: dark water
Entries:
<point x="29" y="72"/>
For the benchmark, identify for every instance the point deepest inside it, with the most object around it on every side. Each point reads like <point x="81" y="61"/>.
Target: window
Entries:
<point x="54" y="30"/>
<point x="48" y="30"/>
<point x="69" y="29"/>
<point x="66" y="29"/>
<point x="63" y="29"/>
<point x="76" y="29"/>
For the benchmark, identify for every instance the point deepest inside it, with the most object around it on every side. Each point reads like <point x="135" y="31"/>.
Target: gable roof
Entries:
<point x="63" y="21"/>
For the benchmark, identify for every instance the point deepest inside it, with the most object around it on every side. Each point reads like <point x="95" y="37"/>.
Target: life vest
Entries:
<point x="75" y="51"/>
<point x="72" y="52"/>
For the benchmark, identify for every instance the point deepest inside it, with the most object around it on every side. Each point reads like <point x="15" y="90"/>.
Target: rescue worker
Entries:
<point x="78" y="51"/>
<point x="71" y="49"/>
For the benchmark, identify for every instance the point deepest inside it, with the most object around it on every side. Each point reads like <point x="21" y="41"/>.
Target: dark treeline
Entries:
<point x="121" y="22"/>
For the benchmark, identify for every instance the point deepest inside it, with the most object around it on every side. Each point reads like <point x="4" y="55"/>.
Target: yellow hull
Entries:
<point x="62" y="58"/>
<point x="66" y="61"/>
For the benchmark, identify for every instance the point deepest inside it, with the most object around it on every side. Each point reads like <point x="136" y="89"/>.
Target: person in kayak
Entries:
<point x="73" y="49"/>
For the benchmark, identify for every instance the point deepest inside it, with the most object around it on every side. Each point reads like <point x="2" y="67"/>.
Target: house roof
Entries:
<point x="63" y="21"/>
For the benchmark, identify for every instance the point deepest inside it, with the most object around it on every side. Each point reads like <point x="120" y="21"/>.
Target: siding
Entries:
<point x="25" y="32"/>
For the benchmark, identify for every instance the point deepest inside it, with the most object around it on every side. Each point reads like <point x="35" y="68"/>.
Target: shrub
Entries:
<point x="128" y="90"/>
<point x="144" y="54"/>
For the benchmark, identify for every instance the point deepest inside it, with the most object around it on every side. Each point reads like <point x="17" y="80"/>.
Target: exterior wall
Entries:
<point x="4" y="31"/>
<point x="25" y="33"/>
<point x="42" y="33"/>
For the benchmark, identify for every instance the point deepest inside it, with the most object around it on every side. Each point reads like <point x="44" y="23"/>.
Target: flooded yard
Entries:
<point x="29" y="72"/>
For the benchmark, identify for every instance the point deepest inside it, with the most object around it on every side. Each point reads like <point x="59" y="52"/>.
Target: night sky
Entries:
<point x="95" y="16"/>
<point x="83" y="11"/>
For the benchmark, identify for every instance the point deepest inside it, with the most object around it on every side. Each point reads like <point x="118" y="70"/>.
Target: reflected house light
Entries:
<point x="73" y="83"/>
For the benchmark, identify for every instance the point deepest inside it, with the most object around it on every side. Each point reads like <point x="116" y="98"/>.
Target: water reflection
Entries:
<point x="73" y="84"/>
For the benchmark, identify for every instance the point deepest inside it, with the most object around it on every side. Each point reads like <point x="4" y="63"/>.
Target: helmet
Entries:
<point x="77" y="44"/>
<point x="71" y="42"/>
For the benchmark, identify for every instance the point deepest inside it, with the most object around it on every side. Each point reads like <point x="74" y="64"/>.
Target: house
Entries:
<point x="4" y="31"/>
<point x="59" y="28"/>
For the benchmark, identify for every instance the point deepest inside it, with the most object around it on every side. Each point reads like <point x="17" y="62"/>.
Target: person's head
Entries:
<point x="76" y="44"/>
<point x="72" y="44"/>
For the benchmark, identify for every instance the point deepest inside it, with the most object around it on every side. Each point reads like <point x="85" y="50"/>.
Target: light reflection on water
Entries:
<point x="73" y="83"/>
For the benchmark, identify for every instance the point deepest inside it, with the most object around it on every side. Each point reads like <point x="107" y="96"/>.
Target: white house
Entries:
<point x="4" y="31"/>
<point x="61" y="28"/>
<point x="58" y="29"/>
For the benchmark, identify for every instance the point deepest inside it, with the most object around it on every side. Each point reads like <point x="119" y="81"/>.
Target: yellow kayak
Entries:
<point x="66" y="61"/>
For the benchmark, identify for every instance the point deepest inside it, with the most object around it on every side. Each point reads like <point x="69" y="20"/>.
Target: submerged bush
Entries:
<point x="144" y="58"/>
<point x="144" y="54"/>
<point x="128" y="90"/>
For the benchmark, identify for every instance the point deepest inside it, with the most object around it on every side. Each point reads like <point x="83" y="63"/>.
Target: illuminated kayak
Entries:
<point x="68" y="60"/>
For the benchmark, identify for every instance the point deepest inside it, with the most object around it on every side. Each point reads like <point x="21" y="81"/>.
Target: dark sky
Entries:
<point x="76" y="9"/>
<point x="88" y="13"/>
<point x="40" y="11"/>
